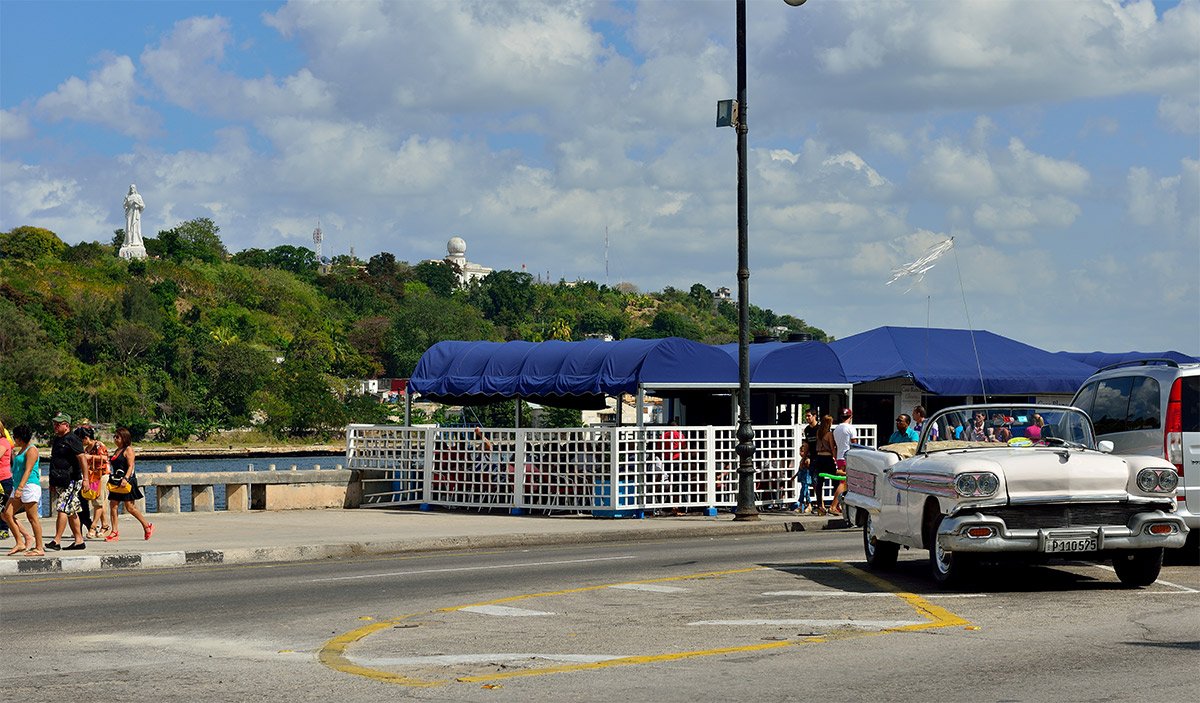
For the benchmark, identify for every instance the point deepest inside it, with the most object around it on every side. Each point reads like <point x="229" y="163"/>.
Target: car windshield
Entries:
<point x="1014" y="425"/>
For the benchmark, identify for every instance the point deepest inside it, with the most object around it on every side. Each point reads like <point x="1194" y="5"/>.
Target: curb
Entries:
<point x="258" y="555"/>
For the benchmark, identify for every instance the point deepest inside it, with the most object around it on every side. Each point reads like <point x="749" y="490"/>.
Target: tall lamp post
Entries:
<point x="733" y="113"/>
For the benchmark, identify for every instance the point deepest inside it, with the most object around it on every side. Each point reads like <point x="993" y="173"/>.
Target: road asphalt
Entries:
<point x="185" y="539"/>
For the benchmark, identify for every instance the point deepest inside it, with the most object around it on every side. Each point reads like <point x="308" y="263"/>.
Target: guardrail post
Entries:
<point x="237" y="497"/>
<point x="203" y="499"/>
<point x="168" y="499"/>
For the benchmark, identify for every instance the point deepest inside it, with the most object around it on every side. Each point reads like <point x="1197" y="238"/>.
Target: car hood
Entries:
<point x="1060" y="475"/>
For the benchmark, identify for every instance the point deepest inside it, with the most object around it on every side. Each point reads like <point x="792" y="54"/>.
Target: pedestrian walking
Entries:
<point x="808" y="454"/>
<point x="27" y="493"/>
<point x="66" y="480"/>
<point x="95" y="480"/>
<point x="6" y="483"/>
<point x="122" y="486"/>
<point x="824" y="463"/>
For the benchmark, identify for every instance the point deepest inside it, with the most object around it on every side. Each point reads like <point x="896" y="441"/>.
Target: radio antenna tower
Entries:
<point x="317" y="239"/>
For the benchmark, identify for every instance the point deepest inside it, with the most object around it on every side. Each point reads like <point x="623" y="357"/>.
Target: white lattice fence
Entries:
<point x="607" y="471"/>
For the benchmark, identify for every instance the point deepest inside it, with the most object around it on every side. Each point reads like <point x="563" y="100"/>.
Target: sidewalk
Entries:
<point x="299" y="535"/>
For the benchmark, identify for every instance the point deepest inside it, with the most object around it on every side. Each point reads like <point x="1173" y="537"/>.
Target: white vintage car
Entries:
<point x="1006" y="480"/>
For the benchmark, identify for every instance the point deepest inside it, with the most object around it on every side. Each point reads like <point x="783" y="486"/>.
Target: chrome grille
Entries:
<point x="1027" y="517"/>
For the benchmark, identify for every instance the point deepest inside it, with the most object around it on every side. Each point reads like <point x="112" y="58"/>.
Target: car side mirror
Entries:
<point x="1105" y="446"/>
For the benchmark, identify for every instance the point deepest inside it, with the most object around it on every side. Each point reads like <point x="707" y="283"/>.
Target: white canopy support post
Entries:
<point x="516" y="412"/>
<point x="641" y="400"/>
<point x="407" y="407"/>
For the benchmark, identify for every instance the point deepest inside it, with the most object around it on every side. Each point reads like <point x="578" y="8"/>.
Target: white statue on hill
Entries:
<point x="134" y="247"/>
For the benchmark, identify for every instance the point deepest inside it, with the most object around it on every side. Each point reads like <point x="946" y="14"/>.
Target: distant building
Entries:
<point x="456" y="256"/>
<point x="723" y="293"/>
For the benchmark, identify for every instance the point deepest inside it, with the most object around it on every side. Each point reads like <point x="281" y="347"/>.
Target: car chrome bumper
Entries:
<point x="952" y="534"/>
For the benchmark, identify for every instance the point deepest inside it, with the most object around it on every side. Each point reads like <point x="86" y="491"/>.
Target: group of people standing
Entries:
<point x="88" y="486"/>
<point x="823" y="460"/>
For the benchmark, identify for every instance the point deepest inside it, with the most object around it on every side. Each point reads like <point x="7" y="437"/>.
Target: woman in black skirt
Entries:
<point x="122" y="475"/>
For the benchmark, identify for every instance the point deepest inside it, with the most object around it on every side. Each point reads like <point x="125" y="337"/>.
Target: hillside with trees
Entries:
<point x="195" y="340"/>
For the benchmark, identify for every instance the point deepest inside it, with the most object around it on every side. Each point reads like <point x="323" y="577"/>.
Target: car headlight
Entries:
<point x="1157" y="480"/>
<point x="976" y="485"/>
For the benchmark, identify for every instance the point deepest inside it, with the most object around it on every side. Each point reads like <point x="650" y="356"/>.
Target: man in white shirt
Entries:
<point x="843" y="437"/>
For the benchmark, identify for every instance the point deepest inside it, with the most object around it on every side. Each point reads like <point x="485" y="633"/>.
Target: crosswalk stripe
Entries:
<point x="860" y="624"/>
<point x="651" y="587"/>
<point x="503" y="611"/>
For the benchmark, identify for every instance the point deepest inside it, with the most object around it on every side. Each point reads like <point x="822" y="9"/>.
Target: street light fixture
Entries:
<point x="735" y="115"/>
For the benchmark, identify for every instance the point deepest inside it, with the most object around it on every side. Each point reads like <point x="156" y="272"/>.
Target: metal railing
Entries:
<point x="608" y="471"/>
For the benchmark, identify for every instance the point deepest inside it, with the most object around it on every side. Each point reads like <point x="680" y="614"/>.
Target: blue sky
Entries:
<point x="1058" y="142"/>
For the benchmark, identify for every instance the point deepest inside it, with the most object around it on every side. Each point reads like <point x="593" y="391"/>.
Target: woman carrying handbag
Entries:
<point x="122" y="485"/>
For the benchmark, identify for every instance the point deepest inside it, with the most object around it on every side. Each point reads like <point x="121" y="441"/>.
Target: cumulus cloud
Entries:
<point x="1167" y="203"/>
<point x="14" y="125"/>
<point x="186" y="66"/>
<point x="980" y="53"/>
<point x="109" y="97"/>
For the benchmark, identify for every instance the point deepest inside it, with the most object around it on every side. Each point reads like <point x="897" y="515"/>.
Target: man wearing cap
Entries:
<point x="66" y="479"/>
<point x="843" y="437"/>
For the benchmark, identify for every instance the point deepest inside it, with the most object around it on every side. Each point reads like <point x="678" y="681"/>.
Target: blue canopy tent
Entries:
<point x="944" y="362"/>
<point x="792" y="365"/>
<point x="1099" y="360"/>
<point x="564" y="374"/>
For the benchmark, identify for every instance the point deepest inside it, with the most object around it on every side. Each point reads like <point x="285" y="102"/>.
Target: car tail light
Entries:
<point x="981" y="532"/>
<point x="1160" y="528"/>
<point x="1173" y="429"/>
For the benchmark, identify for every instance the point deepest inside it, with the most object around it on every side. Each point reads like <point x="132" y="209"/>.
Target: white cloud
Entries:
<point x="108" y="97"/>
<point x="186" y="65"/>
<point x="1170" y="204"/>
<point x="983" y="53"/>
<point x="1180" y="113"/>
<point x="34" y="195"/>
<point x="14" y="125"/>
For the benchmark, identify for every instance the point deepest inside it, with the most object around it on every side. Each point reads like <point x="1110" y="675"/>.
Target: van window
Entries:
<point x="1145" y="407"/>
<point x="1083" y="399"/>
<point x="1111" y="410"/>
<point x="1191" y="403"/>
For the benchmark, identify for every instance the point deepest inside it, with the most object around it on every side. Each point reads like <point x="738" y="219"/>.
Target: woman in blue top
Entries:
<point x="27" y="493"/>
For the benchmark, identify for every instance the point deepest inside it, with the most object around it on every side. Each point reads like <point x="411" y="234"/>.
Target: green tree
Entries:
<point x="195" y="239"/>
<point x="438" y="276"/>
<point x="505" y="297"/>
<point x="424" y="320"/>
<point x="30" y="243"/>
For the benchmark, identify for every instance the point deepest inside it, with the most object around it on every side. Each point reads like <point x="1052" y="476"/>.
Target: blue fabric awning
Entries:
<point x="1101" y="359"/>
<point x="578" y="374"/>
<point x="943" y="361"/>
<point x="783" y="363"/>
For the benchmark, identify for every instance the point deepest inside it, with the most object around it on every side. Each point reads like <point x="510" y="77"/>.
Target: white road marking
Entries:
<point x="503" y="611"/>
<point x="452" y="659"/>
<point x="468" y="568"/>
<point x="872" y="594"/>
<point x="651" y="587"/>
<point x="1184" y="589"/>
<point x="860" y="624"/>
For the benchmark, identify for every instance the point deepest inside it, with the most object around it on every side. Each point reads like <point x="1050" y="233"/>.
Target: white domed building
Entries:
<point x="456" y="256"/>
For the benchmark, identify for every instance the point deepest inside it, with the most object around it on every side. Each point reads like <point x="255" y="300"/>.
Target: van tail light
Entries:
<point x="1173" y="429"/>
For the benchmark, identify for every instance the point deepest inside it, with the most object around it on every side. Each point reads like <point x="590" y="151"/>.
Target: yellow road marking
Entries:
<point x="333" y="652"/>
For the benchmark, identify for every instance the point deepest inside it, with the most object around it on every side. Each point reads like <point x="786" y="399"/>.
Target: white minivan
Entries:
<point x="1152" y="407"/>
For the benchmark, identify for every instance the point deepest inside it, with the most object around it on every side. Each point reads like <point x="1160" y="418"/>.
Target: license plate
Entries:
<point x="1059" y="545"/>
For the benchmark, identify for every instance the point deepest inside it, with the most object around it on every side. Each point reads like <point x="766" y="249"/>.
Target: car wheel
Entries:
<point x="948" y="568"/>
<point x="1138" y="567"/>
<point x="881" y="554"/>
